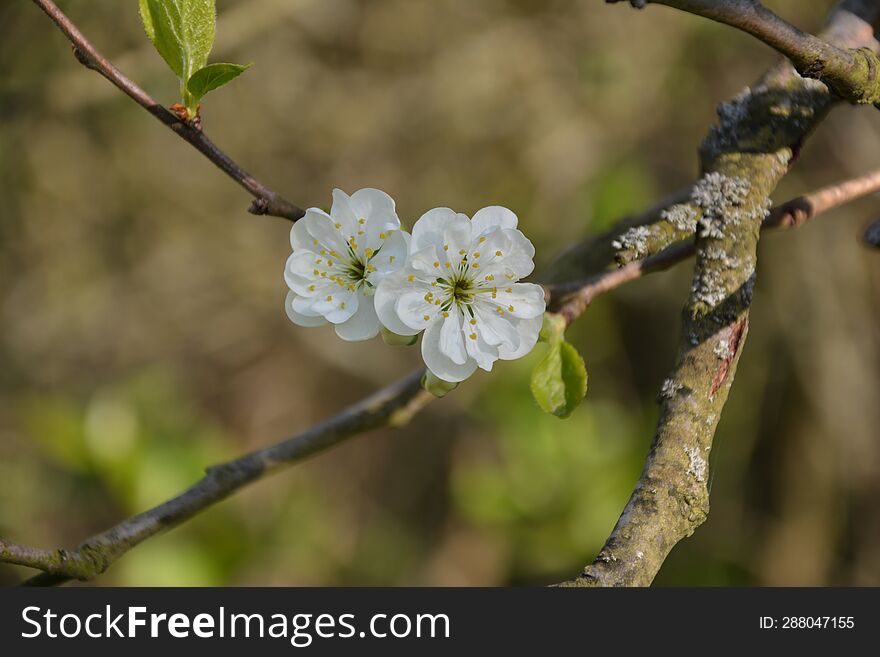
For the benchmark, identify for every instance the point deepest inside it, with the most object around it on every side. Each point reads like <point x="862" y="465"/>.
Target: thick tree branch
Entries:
<point x="744" y="161"/>
<point x="265" y="202"/>
<point x="851" y="73"/>
<point x="764" y="109"/>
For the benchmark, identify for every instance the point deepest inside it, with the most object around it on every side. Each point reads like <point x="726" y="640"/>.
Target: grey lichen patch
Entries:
<point x="670" y="389"/>
<point x="732" y="116"/>
<point x="698" y="465"/>
<point x="634" y="240"/>
<point x="709" y="288"/>
<point x="717" y="195"/>
<point x="683" y="217"/>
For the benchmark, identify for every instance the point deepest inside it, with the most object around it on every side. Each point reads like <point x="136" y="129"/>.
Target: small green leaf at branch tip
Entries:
<point x="395" y="340"/>
<point x="436" y="386"/>
<point x="213" y="76"/>
<point x="182" y="31"/>
<point x="559" y="381"/>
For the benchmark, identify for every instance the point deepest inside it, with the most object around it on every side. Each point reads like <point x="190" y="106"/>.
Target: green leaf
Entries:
<point x="213" y="76"/>
<point x="182" y="30"/>
<point x="559" y="382"/>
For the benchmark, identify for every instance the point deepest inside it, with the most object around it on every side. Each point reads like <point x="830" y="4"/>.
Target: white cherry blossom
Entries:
<point x="340" y="258"/>
<point x="460" y="286"/>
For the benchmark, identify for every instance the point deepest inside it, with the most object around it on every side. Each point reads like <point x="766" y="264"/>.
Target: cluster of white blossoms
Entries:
<point x="455" y="279"/>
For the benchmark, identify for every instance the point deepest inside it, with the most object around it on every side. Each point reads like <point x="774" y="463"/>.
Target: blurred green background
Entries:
<point x="143" y="337"/>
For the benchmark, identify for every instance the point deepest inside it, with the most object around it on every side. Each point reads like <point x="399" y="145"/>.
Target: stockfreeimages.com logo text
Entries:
<point x="300" y="629"/>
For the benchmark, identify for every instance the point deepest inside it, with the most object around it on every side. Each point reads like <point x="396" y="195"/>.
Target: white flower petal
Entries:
<point x="337" y="307"/>
<point x="319" y="227"/>
<point x="428" y="230"/>
<point x="452" y="337"/>
<point x="299" y="274"/>
<point x="300" y="237"/>
<point x="516" y="260"/>
<point x="389" y="291"/>
<point x="496" y="329"/>
<point x="298" y="318"/>
<point x="493" y="218"/>
<point x="528" y="333"/>
<point x="344" y="214"/>
<point x="377" y="210"/>
<point x="483" y="353"/>
<point x="363" y="325"/>
<point x="390" y="257"/>
<point x="439" y="363"/>
<point x="415" y="310"/>
<point x="520" y="300"/>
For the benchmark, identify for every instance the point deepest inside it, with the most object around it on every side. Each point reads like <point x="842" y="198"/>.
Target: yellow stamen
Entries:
<point x="410" y="278"/>
<point x="473" y="336"/>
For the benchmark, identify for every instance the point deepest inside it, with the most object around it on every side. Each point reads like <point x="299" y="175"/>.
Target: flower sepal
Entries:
<point x="437" y="386"/>
<point x="395" y="340"/>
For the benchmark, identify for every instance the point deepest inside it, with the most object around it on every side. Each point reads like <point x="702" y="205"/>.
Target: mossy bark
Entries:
<point x="745" y="157"/>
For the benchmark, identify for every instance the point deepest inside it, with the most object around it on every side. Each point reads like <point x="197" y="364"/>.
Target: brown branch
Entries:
<point x="266" y="201"/>
<point x="395" y="404"/>
<point x="850" y="73"/>
<point x="392" y="406"/>
<point x="571" y="300"/>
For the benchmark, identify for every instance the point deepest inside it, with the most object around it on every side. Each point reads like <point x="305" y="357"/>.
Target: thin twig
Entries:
<point x="266" y="201"/>
<point x="392" y="406"/>
<point x="571" y="300"/>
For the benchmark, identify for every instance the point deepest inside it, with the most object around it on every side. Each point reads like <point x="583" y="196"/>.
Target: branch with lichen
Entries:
<point x="732" y="200"/>
<point x="391" y="407"/>
<point x="671" y="497"/>
<point x="781" y="100"/>
<point x="571" y="299"/>
<point x="851" y="73"/>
